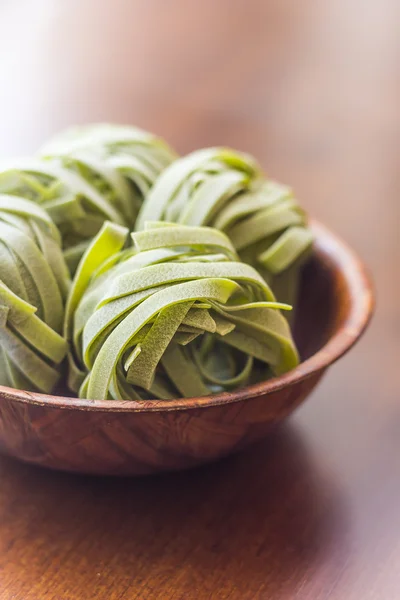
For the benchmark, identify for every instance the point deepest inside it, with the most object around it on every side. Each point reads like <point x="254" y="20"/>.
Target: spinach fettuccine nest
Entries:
<point x="221" y="188"/>
<point x="87" y="176"/>
<point x="34" y="283"/>
<point x="175" y="314"/>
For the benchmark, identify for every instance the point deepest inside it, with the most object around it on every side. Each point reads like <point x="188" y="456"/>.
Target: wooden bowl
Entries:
<point x="130" y="438"/>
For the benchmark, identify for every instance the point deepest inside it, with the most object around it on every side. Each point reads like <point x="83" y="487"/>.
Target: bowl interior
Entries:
<point x="319" y="313"/>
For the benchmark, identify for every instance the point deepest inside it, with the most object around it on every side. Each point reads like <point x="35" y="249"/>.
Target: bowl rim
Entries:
<point x="361" y="293"/>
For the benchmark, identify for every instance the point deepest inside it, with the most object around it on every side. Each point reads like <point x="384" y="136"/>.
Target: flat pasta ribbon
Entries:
<point x="34" y="284"/>
<point x="176" y="314"/>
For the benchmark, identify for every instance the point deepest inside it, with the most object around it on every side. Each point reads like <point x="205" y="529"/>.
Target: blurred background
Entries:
<point x="312" y="88"/>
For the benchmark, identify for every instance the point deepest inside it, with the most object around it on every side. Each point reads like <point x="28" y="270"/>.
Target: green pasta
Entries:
<point x="224" y="189"/>
<point x="89" y="175"/>
<point x="175" y="314"/>
<point x="34" y="284"/>
<point x="123" y="162"/>
<point x="195" y="301"/>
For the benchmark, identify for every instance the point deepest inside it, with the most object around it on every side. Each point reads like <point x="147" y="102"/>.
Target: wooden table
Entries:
<point x="313" y="89"/>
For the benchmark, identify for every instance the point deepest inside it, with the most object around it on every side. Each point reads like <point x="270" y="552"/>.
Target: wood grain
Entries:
<point x="313" y="89"/>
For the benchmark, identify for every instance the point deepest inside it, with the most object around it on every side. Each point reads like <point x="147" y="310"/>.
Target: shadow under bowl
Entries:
<point x="131" y="438"/>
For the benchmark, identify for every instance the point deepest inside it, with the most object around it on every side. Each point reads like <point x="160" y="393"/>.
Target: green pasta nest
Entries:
<point x="221" y="188"/>
<point x="89" y="175"/>
<point x="34" y="282"/>
<point x="175" y="315"/>
<point x="193" y="302"/>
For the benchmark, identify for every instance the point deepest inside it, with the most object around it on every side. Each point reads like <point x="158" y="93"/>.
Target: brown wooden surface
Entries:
<point x="313" y="89"/>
